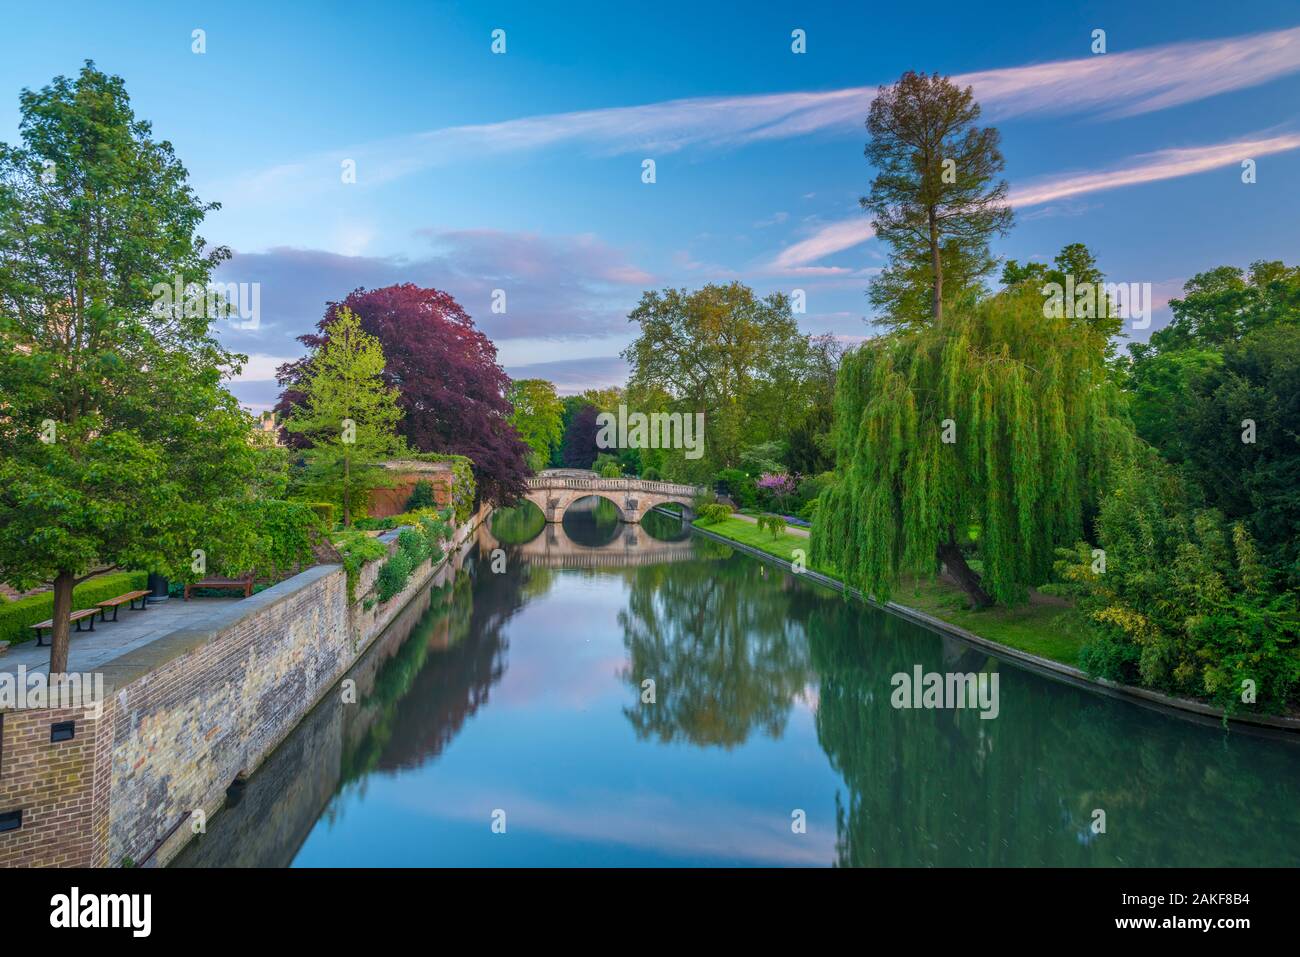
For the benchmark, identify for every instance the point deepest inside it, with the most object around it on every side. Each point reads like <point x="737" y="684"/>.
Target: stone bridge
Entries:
<point x="554" y="490"/>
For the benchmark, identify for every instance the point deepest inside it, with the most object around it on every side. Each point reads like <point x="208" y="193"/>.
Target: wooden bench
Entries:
<point x="244" y="583"/>
<point x="77" y="616"/>
<point x="130" y="598"/>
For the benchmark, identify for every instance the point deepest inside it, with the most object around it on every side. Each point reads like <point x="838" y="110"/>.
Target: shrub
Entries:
<point x="464" y="488"/>
<point x="414" y="544"/>
<point x="421" y="496"/>
<point x="651" y="474"/>
<point x="713" y="513"/>
<point x="357" y="548"/>
<point x="393" y="575"/>
<point x="737" y="486"/>
<point x="285" y="534"/>
<point x="17" y="617"/>
<point x="611" y="470"/>
<point x="776" y="524"/>
<point x="1182" y="603"/>
<point x="374" y="524"/>
<point x="324" y="511"/>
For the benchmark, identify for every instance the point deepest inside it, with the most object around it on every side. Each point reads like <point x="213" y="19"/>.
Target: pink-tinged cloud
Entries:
<point x="1146" y="168"/>
<point x="1152" y="167"/>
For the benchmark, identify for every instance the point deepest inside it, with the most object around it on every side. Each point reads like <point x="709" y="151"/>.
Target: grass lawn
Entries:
<point x="747" y="533"/>
<point x="1043" y="627"/>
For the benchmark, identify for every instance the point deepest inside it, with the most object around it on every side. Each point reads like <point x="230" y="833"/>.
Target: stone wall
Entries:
<point x="186" y="716"/>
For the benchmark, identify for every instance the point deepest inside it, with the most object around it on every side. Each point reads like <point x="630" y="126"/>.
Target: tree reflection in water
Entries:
<point x="725" y="654"/>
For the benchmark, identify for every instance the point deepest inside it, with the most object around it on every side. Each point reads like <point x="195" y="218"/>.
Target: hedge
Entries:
<point x="17" y="617"/>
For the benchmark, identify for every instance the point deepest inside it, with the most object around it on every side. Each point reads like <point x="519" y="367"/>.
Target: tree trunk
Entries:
<point x="936" y="303"/>
<point x="955" y="562"/>
<point x="347" y="490"/>
<point x="59" y="635"/>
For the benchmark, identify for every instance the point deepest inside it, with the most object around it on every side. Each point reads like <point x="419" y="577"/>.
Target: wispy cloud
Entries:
<point x="1114" y="84"/>
<point x="797" y="258"/>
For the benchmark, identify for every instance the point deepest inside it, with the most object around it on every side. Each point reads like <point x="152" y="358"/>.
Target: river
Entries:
<point x="600" y="694"/>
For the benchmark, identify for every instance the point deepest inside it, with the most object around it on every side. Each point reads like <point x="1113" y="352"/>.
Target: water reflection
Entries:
<point x="592" y="521"/>
<point x="515" y="526"/>
<point x="666" y="526"/>
<point x="520" y="687"/>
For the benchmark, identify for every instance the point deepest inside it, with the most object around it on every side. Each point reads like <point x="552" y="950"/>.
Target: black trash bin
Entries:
<point x="158" y="586"/>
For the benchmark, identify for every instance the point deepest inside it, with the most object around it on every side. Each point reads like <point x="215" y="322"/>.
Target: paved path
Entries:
<point x="90" y="650"/>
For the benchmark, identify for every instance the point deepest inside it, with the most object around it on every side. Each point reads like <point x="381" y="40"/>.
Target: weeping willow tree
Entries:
<point x="996" y="423"/>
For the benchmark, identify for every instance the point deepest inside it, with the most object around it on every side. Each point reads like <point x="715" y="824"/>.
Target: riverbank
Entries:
<point x="1044" y="635"/>
<point x="175" y="725"/>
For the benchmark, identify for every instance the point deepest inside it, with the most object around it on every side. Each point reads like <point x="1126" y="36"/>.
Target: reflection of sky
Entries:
<point x="554" y="750"/>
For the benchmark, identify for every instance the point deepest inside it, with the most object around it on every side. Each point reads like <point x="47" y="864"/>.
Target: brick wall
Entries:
<point x="187" y="715"/>
<point x="59" y="787"/>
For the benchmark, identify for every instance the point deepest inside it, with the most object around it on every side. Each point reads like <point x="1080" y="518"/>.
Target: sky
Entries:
<point x="522" y="170"/>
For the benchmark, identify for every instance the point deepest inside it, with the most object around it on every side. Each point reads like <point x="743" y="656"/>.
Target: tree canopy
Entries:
<point x="935" y="199"/>
<point x="346" y="413"/>
<point x="452" y="391"/>
<point x="537" y="414"/>
<point x="996" y="418"/>
<point x="118" y="445"/>
<point x="723" y="351"/>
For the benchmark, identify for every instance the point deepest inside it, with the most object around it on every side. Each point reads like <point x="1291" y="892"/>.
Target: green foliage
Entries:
<point x="414" y="546"/>
<point x="393" y="575"/>
<point x="775" y="525"/>
<point x="935" y="200"/>
<point x="118" y="444"/>
<point x="713" y="513"/>
<point x="463" y="489"/>
<point x="284" y="534"/>
<point x="324" y="511"/>
<point x="1218" y="393"/>
<point x="1034" y="423"/>
<point x="1183" y="603"/>
<point x="611" y="470"/>
<point x="723" y="351"/>
<point x="347" y="413"/>
<point x="421" y="496"/>
<point x="357" y="548"/>
<point x="740" y="487"/>
<point x="651" y="474"/>
<point x="538" y="416"/>
<point x="17" y="617"/>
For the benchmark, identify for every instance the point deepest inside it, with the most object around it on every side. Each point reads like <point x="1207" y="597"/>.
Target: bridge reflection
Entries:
<point x="630" y="545"/>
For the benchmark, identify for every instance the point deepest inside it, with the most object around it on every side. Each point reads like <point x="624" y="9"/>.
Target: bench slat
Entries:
<point x="75" y="616"/>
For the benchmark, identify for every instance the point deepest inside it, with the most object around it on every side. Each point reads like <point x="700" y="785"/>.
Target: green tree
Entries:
<point x="723" y="351"/>
<point x="347" y="413"/>
<point x="538" y="416"/>
<point x="935" y="199"/>
<point x="997" y="418"/>
<point x="118" y="445"/>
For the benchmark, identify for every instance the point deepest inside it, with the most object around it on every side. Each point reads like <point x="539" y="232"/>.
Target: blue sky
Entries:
<point x="522" y="171"/>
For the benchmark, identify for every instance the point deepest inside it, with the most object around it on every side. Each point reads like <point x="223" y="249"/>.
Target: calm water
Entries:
<point x="520" y="691"/>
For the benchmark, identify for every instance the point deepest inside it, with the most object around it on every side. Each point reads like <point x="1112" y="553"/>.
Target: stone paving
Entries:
<point x="90" y="650"/>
